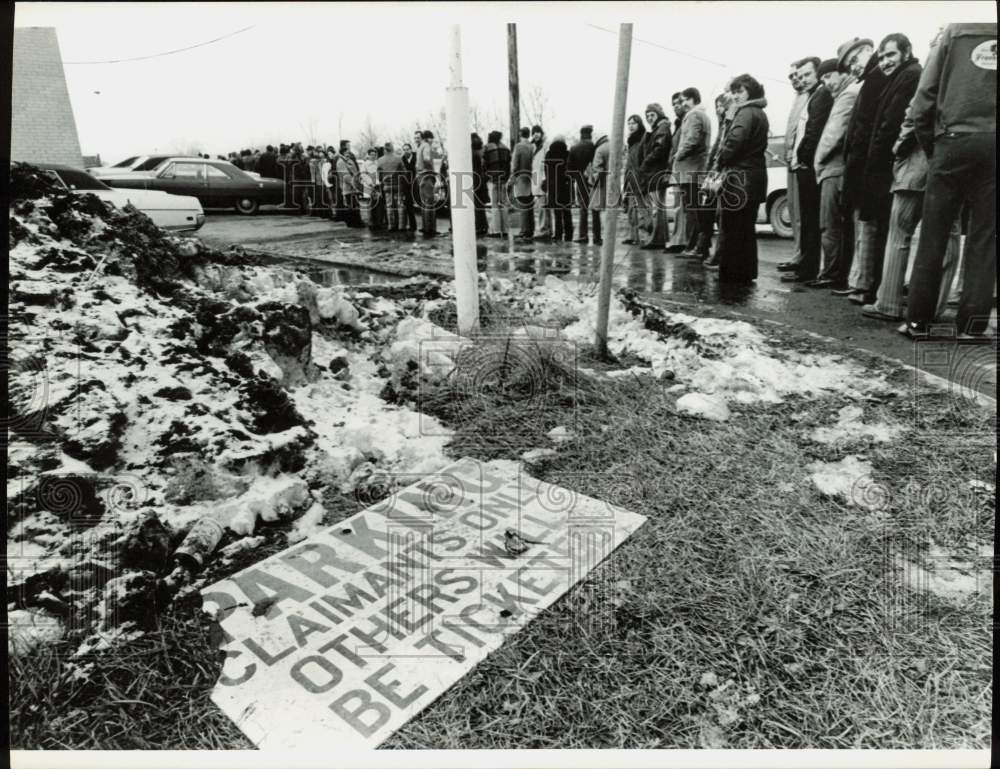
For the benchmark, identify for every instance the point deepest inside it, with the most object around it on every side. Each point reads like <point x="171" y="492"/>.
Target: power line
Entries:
<point x="682" y="53"/>
<point x="165" y="53"/>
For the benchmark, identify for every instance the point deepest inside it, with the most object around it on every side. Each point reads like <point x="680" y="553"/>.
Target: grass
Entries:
<point x="749" y="611"/>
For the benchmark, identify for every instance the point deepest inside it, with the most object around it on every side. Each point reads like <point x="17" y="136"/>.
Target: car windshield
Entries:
<point x="78" y="180"/>
<point x="150" y="163"/>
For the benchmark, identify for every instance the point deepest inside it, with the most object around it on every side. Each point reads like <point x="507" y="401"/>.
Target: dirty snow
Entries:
<point x="703" y="406"/>
<point x="849" y="479"/>
<point x="850" y="428"/>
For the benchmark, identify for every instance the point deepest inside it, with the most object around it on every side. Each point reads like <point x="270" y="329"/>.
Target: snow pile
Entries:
<point x="850" y="428"/>
<point x="703" y="406"/>
<point x="154" y="382"/>
<point x="850" y="479"/>
<point x="726" y="358"/>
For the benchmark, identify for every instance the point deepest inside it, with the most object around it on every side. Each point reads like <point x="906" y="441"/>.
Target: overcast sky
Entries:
<point x="305" y="68"/>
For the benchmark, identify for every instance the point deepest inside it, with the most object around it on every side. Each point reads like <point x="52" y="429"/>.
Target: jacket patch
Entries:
<point x="984" y="55"/>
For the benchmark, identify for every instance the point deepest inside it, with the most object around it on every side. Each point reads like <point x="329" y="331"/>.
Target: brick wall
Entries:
<point x="42" y="124"/>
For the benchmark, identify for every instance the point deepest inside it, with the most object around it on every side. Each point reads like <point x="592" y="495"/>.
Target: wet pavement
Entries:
<point x="357" y="256"/>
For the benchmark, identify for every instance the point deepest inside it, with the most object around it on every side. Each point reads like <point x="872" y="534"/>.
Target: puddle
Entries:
<point x="349" y="276"/>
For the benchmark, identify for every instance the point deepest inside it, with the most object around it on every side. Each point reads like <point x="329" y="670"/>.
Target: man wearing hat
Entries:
<point x="835" y="225"/>
<point x="580" y="156"/>
<point x="810" y="128"/>
<point x="954" y="114"/>
<point x="857" y="56"/>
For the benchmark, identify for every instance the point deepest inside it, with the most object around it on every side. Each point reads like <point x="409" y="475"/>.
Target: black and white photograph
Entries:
<point x="507" y="384"/>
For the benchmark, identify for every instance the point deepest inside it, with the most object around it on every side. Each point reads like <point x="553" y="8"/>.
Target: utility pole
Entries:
<point x="515" y="95"/>
<point x="614" y="190"/>
<point x="515" y="112"/>
<point x="460" y="181"/>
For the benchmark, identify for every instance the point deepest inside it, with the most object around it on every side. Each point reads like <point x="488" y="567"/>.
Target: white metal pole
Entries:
<point x="614" y="191"/>
<point x="460" y="183"/>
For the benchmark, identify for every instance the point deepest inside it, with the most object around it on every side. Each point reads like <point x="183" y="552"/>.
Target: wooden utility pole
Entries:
<point x="614" y="190"/>
<point x="463" y="207"/>
<point x="515" y="95"/>
<point x="515" y="114"/>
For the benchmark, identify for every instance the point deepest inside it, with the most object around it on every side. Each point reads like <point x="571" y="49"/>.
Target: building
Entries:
<point x="42" y="125"/>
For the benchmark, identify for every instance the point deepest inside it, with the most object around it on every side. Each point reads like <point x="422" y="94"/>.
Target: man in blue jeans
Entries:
<point x="954" y="118"/>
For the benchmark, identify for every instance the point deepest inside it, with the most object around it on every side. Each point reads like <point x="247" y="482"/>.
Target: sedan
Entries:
<point x="128" y="165"/>
<point x="216" y="183"/>
<point x="171" y="212"/>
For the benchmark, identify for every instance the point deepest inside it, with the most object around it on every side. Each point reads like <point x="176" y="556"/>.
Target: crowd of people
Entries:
<point x="874" y="144"/>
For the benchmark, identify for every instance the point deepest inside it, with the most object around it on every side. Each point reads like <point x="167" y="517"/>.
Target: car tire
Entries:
<point x="780" y="217"/>
<point x="247" y="206"/>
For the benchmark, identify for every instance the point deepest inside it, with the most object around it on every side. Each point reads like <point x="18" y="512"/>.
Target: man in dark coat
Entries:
<point x="810" y="128"/>
<point x="654" y="173"/>
<point x="580" y="156"/>
<point x="407" y="191"/>
<point x="558" y="196"/>
<point x="858" y="56"/>
<point x="902" y="73"/>
<point x="954" y="115"/>
<point x="496" y="159"/>
<point x="267" y="166"/>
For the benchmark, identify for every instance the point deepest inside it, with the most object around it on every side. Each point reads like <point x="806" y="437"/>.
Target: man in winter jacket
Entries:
<point x="389" y="173"/>
<point x="858" y="55"/>
<point x="496" y="159"/>
<point x="954" y="118"/>
<point x="835" y="224"/>
<point x="654" y="173"/>
<point x="580" y="156"/>
<point x="902" y="72"/>
<point x="543" y="215"/>
<point x="810" y="128"/>
<point x="690" y="163"/>
<point x="520" y="180"/>
<point x="792" y="187"/>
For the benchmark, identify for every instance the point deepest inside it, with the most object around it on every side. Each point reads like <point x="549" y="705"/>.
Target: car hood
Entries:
<point x="149" y="199"/>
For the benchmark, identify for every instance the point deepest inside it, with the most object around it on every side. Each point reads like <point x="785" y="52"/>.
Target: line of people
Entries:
<point x="877" y="145"/>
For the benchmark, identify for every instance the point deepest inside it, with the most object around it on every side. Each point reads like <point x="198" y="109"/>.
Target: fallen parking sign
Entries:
<point x="349" y="634"/>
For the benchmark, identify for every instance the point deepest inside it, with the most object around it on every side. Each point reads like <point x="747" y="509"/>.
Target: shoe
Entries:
<point x="860" y="297"/>
<point x="690" y="253"/>
<point x="846" y="291"/>
<point x="788" y="266"/>
<point x="975" y="337"/>
<point x="792" y="278"/>
<point x="871" y="311"/>
<point x="628" y="242"/>
<point x="819" y="283"/>
<point x="598" y="242"/>
<point x="914" y="330"/>
<point x="651" y="247"/>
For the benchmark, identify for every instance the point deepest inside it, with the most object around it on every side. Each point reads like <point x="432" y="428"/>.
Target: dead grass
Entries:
<point x="749" y="612"/>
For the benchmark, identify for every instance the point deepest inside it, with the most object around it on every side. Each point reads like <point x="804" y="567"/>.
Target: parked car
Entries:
<point x="216" y="183"/>
<point x="171" y="212"/>
<point x="775" y="211"/>
<point x="128" y="165"/>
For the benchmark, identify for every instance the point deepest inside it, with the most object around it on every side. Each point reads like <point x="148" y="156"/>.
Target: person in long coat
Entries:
<point x="480" y="192"/>
<point x="654" y="172"/>
<point x="350" y="188"/>
<point x="709" y="212"/>
<point x="635" y="201"/>
<point x="902" y="72"/>
<point x="558" y="195"/>
<point x="520" y="182"/>
<point x="744" y="188"/>
<point x="599" y="168"/>
<point x="426" y="180"/>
